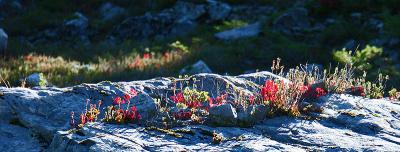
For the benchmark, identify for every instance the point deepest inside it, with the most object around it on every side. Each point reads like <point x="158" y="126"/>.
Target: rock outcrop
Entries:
<point x="109" y="11"/>
<point x="181" y="19"/>
<point x="198" y="67"/>
<point x="217" y="10"/>
<point x="36" y="79"/>
<point x="346" y="123"/>
<point x="240" y="32"/>
<point x="294" y="21"/>
<point x="9" y="7"/>
<point x="173" y="20"/>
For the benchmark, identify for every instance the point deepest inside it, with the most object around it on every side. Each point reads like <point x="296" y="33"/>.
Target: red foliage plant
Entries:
<point x="178" y="98"/>
<point x="112" y="114"/>
<point x="269" y="90"/>
<point x="358" y="91"/>
<point x="118" y="101"/>
<point x="83" y="118"/>
<point x="132" y="115"/>
<point x="134" y="93"/>
<point x="313" y="93"/>
<point x="218" y="100"/>
<point x="319" y="92"/>
<point x="146" y="56"/>
<point x="127" y="97"/>
<point x="182" y="115"/>
<point x="251" y="100"/>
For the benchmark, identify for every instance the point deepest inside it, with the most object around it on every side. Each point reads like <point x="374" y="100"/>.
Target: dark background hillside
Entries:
<point x="73" y="41"/>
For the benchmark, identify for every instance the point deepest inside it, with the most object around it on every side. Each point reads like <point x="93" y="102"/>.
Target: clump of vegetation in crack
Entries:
<point x="113" y="114"/>
<point x="188" y="104"/>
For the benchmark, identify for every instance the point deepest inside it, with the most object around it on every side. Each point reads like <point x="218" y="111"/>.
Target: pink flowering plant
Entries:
<point x="116" y="114"/>
<point x="113" y="114"/>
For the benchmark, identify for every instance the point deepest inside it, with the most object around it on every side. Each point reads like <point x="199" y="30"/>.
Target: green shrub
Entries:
<point x="376" y="90"/>
<point x="360" y="59"/>
<point x="195" y="95"/>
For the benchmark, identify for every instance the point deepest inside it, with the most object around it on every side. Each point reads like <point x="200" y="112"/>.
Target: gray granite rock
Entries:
<point x="196" y="68"/>
<point x="36" y="79"/>
<point x="76" y="28"/>
<point x="347" y="123"/>
<point x="79" y="23"/>
<point x="251" y="115"/>
<point x="218" y="10"/>
<point x="10" y="7"/>
<point x="293" y="21"/>
<point x="374" y="127"/>
<point x="240" y="32"/>
<point x="109" y="11"/>
<point x="223" y="115"/>
<point x="17" y="138"/>
<point x="182" y="15"/>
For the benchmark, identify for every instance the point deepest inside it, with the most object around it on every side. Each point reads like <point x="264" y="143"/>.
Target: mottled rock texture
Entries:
<point x="37" y="119"/>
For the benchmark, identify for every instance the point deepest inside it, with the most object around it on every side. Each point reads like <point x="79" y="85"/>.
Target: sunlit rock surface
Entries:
<point x="37" y="119"/>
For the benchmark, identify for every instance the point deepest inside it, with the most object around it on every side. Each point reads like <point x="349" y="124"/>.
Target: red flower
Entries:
<point x="193" y="104"/>
<point x="268" y="92"/>
<point x="83" y="118"/>
<point x="146" y="56"/>
<point x="304" y="88"/>
<point x="90" y="119"/>
<point x="210" y="102"/>
<point x="251" y="99"/>
<point x="218" y="100"/>
<point x="133" y="115"/>
<point x="182" y="115"/>
<point x="178" y="98"/>
<point x="358" y="91"/>
<point x="319" y="92"/>
<point x="127" y="97"/>
<point x="134" y="93"/>
<point x="188" y="114"/>
<point x="118" y="101"/>
<point x="133" y="108"/>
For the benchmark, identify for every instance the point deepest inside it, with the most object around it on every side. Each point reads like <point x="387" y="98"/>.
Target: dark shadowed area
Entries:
<point x="72" y="41"/>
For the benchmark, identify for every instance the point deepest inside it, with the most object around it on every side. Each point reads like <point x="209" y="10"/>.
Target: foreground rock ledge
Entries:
<point x="37" y="119"/>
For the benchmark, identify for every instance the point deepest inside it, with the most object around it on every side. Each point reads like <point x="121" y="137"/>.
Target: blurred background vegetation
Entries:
<point x="40" y="39"/>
